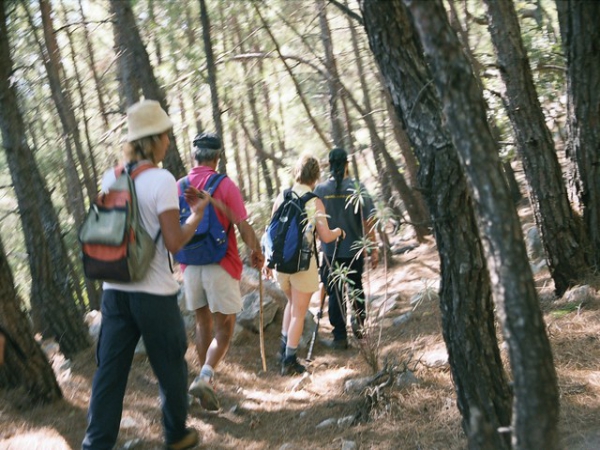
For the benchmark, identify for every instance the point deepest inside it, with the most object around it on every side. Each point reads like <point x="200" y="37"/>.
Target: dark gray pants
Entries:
<point x="125" y="317"/>
<point x="337" y="306"/>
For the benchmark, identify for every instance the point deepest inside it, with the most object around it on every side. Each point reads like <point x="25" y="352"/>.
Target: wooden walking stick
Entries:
<point x="261" y="317"/>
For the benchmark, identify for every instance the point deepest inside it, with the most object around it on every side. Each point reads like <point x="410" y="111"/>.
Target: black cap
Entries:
<point x="338" y="155"/>
<point x="207" y="140"/>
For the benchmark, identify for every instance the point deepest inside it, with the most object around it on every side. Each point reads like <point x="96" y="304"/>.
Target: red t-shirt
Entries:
<point x="230" y="195"/>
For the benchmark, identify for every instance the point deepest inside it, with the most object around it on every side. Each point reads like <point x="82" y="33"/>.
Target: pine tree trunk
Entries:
<point x="91" y="56"/>
<point x="64" y="104"/>
<point x="55" y="313"/>
<point x="560" y="232"/>
<point x="580" y="36"/>
<point x="212" y="79"/>
<point x="337" y="132"/>
<point x="535" y="423"/>
<point x="25" y="363"/>
<point x="137" y="72"/>
<point x="483" y="394"/>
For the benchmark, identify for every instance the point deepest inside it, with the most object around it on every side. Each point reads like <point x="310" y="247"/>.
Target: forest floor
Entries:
<point x="262" y="410"/>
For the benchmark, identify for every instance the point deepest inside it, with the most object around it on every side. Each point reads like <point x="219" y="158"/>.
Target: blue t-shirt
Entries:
<point x="342" y="213"/>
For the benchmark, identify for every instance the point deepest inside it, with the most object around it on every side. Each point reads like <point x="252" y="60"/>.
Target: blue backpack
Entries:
<point x="286" y="245"/>
<point x="209" y="243"/>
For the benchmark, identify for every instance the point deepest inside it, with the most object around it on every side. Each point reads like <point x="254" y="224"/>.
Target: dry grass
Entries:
<point x="263" y="411"/>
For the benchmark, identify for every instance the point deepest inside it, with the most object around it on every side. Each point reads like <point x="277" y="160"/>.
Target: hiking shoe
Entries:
<point x="205" y="393"/>
<point x="291" y="366"/>
<point x="281" y="353"/>
<point x="190" y="440"/>
<point x="336" y="344"/>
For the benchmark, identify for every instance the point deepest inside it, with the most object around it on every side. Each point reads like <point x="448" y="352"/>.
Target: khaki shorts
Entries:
<point x="211" y="285"/>
<point x="306" y="281"/>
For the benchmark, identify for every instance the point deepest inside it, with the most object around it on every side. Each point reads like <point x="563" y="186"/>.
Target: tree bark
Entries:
<point x="580" y="36"/>
<point x="211" y="68"/>
<point x="337" y="132"/>
<point x="92" y="65"/>
<point x="535" y="422"/>
<point x="64" y="106"/>
<point x="137" y="72"/>
<point x="26" y="364"/>
<point x="559" y="228"/>
<point x="483" y="394"/>
<point x="52" y="302"/>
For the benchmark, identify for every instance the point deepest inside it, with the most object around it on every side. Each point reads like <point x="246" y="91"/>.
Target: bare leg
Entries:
<point x="299" y="306"/>
<point x="204" y="327"/>
<point x="287" y="314"/>
<point x="224" y="325"/>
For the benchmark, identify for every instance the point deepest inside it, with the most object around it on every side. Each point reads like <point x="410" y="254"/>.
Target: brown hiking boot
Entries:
<point x="190" y="440"/>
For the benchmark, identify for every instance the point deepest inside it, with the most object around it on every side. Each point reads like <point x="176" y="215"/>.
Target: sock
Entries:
<point x="290" y="352"/>
<point x="207" y="372"/>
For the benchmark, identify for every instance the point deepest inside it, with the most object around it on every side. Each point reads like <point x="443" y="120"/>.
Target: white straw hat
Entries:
<point x="146" y="118"/>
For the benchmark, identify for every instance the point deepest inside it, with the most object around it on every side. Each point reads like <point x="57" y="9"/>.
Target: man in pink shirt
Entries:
<point x="213" y="290"/>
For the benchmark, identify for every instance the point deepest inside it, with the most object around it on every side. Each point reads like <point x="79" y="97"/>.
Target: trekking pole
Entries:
<point x="323" y="295"/>
<point x="261" y="321"/>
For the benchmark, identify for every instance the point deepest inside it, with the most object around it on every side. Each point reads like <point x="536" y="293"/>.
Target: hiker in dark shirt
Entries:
<point x="337" y="195"/>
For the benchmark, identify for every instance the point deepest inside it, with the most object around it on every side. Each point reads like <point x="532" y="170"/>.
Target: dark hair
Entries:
<point x="207" y="146"/>
<point x="338" y="158"/>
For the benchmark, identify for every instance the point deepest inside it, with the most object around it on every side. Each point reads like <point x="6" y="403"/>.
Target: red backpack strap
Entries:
<point x="141" y="168"/>
<point x="138" y="168"/>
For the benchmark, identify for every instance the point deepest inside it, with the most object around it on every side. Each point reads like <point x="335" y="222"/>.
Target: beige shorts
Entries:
<point x="306" y="281"/>
<point x="211" y="285"/>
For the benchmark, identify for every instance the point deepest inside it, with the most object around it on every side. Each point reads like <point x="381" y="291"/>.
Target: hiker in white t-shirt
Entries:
<point x="147" y="308"/>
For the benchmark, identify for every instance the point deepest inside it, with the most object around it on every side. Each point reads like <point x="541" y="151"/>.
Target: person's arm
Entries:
<point x="248" y="235"/>
<point x="322" y="225"/>
<point x="176" y="235"/>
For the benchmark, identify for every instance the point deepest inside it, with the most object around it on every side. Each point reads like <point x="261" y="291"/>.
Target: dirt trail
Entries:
<point x="266" y="411"/>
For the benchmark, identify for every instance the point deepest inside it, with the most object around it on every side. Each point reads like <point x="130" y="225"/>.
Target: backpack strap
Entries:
<point x="305" y="199"/>
<point x="213" y="182"/>
<point x="133" y="170"/>
<point x="211" y="186"/>
<point x="308" y="196"/>
<point x="183" y="184"/>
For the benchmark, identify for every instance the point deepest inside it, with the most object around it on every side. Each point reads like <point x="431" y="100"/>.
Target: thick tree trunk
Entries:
<point x="580" y="35"/>
<point x="136" y="71"/>
<point x="559" y="228"/>
<point x="483" y="394"/>
<point x="53" y="305"/>
<point x="535" y="423"/>
<point x="26" y="364"/>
